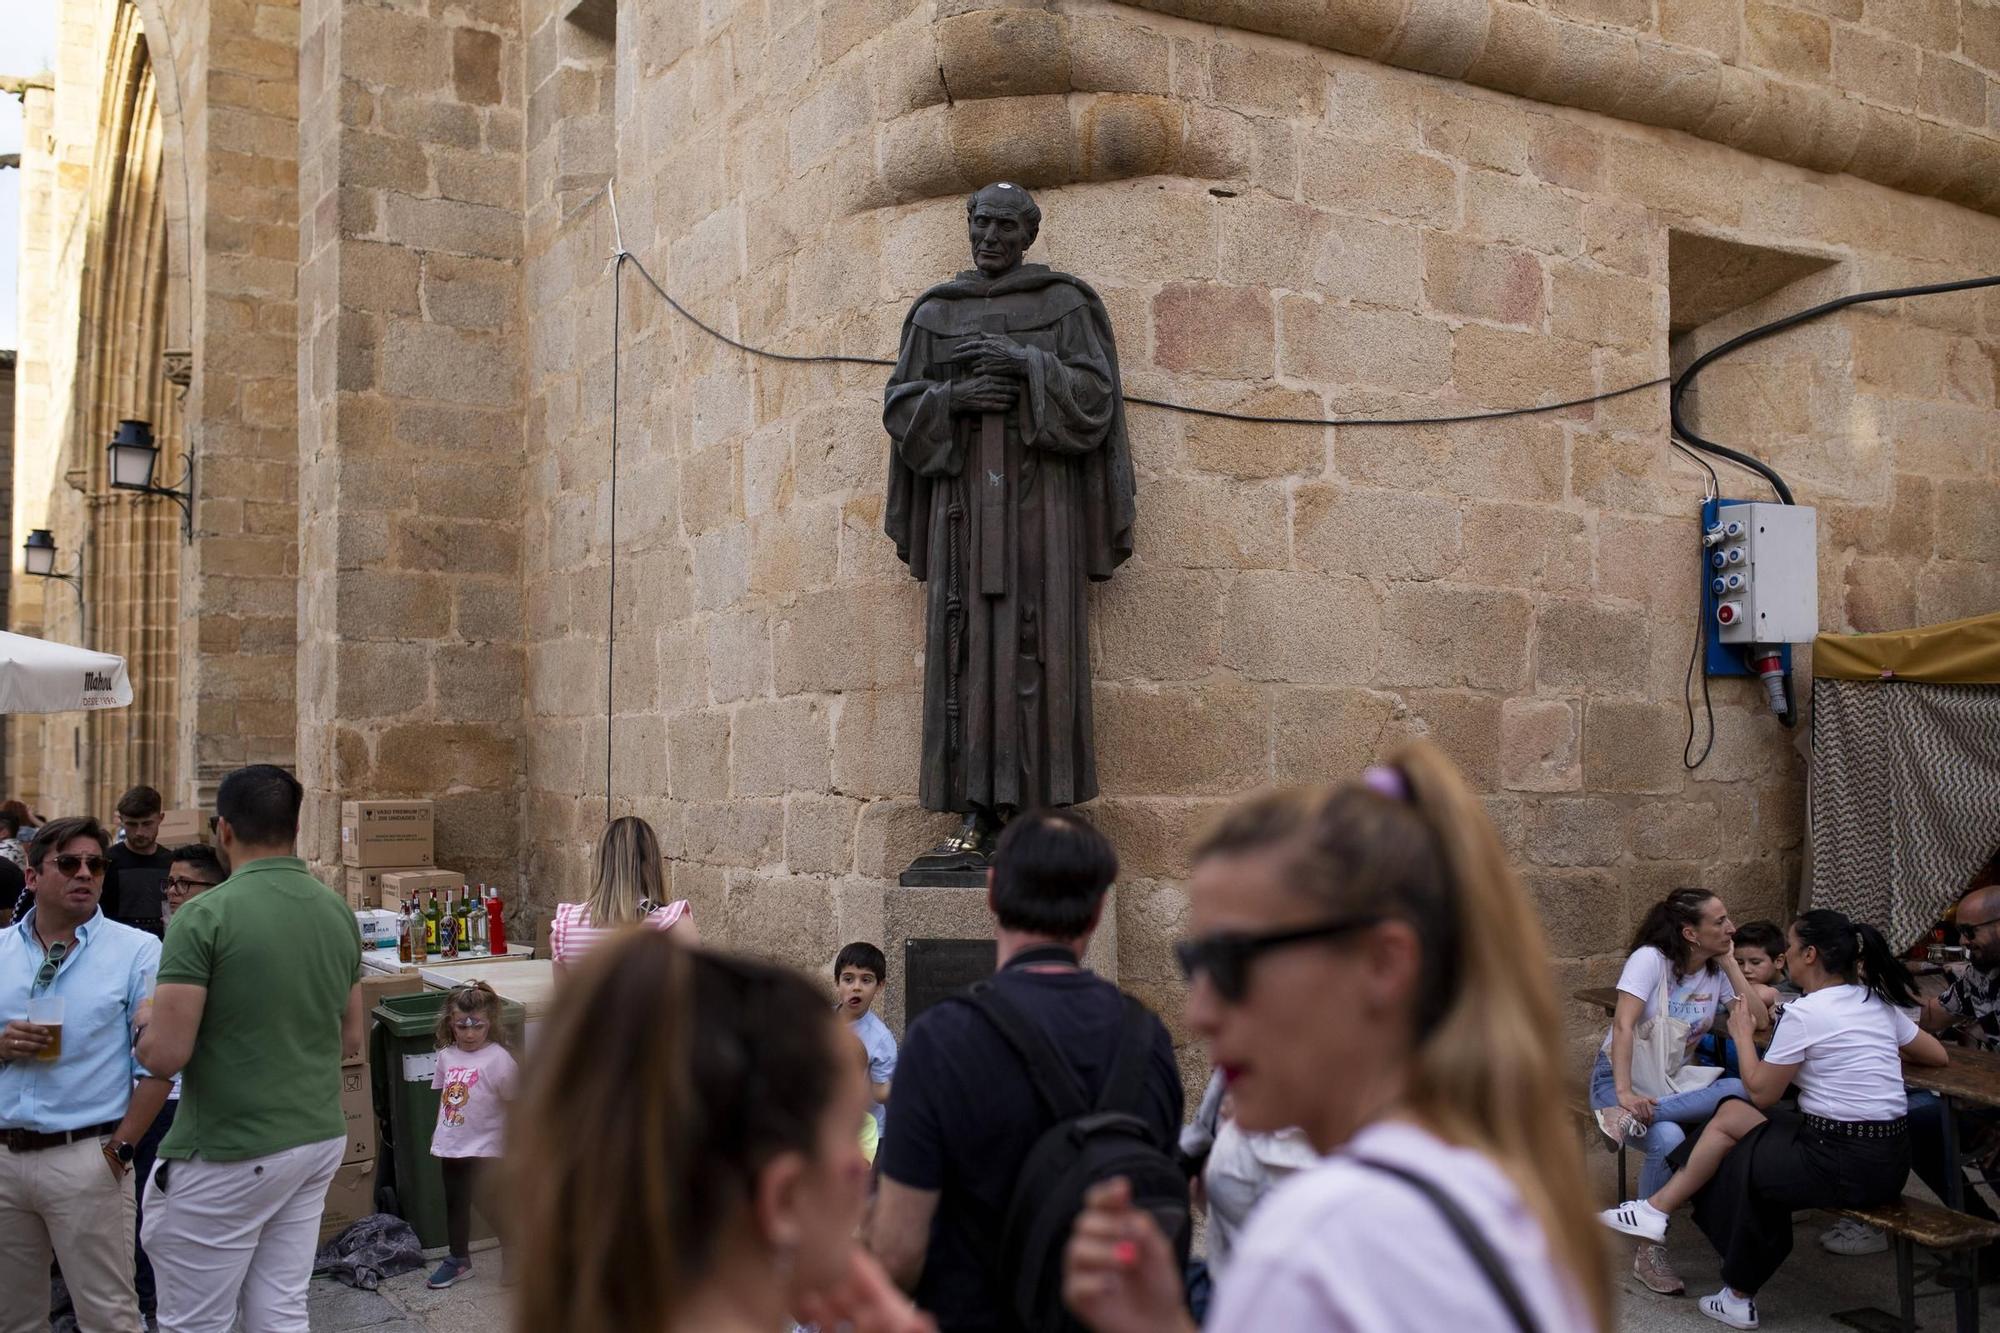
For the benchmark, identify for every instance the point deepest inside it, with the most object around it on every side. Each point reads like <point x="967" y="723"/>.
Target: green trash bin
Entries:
<point x="403" y="1056"/>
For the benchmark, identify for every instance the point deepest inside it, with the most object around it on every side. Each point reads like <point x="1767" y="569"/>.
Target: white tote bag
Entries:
<point x="1659" y="1052"/>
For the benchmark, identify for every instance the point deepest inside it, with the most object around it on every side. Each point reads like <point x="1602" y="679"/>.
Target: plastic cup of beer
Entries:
<point x="46" y="1012"/>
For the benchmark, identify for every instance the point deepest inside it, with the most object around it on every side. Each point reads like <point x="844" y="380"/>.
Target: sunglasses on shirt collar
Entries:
<point x="1225" y="957"/>
<point x="45" y="975"/>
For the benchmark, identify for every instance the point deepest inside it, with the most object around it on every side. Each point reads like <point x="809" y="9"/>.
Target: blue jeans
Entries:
<point x="1670" y="1115"/>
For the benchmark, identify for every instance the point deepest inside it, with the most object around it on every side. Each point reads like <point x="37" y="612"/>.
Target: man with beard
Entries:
<point x="1970" y="1009"/>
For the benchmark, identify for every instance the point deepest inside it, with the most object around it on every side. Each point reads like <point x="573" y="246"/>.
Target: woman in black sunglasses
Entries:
<point x="1365" y="966"/>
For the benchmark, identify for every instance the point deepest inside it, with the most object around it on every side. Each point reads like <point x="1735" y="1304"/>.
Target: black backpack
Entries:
<point x="1083" y="1146"/>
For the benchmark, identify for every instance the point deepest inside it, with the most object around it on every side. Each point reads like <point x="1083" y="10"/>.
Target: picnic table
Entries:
<point x="1972" y="1078"/>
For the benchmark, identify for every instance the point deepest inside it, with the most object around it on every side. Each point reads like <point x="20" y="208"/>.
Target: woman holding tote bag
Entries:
<point x="1681" y="974"/>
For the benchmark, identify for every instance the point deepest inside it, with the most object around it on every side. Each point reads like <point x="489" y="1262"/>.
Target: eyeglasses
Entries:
<point x="51" y="964"/>
<point x="69" y="863"/>
<point x="1967" y="929"/>
<point x="175" y="884"/>
<point x="1225" y="958"/>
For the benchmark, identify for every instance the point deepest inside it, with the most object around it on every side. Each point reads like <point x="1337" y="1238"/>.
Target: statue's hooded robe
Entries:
<point x="1005" y="559"/>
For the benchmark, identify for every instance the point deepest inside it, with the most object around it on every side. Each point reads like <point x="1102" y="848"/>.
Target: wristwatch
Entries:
<point x="119" y="1151"/>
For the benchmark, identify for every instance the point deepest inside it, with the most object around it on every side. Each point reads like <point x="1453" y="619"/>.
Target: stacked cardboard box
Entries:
<point x="380" y="838"/>
<point x="351" y="1196"/>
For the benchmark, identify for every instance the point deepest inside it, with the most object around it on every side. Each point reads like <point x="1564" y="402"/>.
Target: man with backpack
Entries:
<point x="1015" y="1098"/>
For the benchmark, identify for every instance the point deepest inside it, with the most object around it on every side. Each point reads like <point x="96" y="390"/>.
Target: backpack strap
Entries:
<point x="1476" y="1245"/>
<point x="1128" y="1062"/>
<point x="1061" y="1091"/>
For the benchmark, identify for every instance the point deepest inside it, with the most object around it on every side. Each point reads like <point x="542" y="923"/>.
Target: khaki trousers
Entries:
<point x="65" y="1201"/>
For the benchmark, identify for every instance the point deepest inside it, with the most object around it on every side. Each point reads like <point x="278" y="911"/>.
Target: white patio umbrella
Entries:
<point x="37" y="676"/>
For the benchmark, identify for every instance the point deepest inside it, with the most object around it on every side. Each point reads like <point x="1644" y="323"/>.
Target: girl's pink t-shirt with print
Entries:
<point x="473" y="1087"/>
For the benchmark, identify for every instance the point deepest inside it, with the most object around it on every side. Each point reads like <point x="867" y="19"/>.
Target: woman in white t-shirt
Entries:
<point x="1847" y="1145"/>
<point x="1688" y="938"/>
<point x="630" y="890"/>
<point x="1365" y="966"/>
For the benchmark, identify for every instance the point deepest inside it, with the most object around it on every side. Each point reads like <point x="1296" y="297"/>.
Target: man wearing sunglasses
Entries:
<point x="68" y="1124"/>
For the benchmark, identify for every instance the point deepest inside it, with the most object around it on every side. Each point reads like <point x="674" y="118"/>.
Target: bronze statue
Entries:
<point x="1010" y="485"/>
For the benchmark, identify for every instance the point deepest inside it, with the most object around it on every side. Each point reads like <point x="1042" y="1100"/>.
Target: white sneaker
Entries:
<point x="1638" y="1218"/>
<point x="1726" y="1309"/>
<point x="1847" y="1236"/>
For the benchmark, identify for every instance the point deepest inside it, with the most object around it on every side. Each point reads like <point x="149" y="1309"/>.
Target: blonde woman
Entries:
<point x="630" y="890"/>
<point x="1365" y="967"/>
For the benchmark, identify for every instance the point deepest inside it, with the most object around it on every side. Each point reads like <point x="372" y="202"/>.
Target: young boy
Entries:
<point x="858" y="973"/>
<point x="1760" y="952"/>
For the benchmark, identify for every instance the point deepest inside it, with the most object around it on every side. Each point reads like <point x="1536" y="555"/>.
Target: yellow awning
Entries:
<point x="1958" y="652"/>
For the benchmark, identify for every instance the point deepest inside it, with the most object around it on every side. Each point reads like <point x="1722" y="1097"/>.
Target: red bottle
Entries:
<point x="496" y="928"/>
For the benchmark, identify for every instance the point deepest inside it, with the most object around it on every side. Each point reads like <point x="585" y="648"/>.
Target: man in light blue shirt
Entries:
<point x="68" y="1123"/>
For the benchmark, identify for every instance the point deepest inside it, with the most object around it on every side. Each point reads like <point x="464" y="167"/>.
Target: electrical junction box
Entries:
<point x="1763" y="574"/>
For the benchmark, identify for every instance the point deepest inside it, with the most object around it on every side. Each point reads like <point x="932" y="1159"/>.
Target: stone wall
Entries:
<point x="409" y="420"/>
<point x="235" y="125"/>
<point x="1276" y="227"/>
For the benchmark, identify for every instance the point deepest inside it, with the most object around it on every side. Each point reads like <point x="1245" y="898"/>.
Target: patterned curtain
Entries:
<point x="1903" y="798"/>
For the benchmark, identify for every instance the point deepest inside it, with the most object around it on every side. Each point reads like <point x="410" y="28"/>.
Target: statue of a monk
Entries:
<point x="1010" y="486"/>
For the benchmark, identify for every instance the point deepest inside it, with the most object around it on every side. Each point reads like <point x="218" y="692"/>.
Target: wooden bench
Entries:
<point x="1911" y="1222"/>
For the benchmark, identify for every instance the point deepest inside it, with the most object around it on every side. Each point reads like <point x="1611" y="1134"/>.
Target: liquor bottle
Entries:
<point x="464" y="913"/>
<point x="447" y="930"/>
<point x="431" y="924"/>
<point x="496" y="927"/>
<point x="403" y="923"/>
<point x="420" y="951"/>
<point x="477" y="914"/>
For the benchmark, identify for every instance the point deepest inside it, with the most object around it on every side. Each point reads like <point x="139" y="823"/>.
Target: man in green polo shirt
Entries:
<point x="258" y="1002"/>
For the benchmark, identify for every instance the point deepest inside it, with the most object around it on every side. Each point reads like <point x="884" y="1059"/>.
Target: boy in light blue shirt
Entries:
<point x="858" y="972"/>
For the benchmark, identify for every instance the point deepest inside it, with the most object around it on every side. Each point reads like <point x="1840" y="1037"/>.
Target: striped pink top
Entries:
<point x="572" y="937"/>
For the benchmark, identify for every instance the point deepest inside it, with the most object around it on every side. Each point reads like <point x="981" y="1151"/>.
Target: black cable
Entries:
<point x="1685" y="379"/>
<point x="722" y="337"/>
<point x="611" y="592"/>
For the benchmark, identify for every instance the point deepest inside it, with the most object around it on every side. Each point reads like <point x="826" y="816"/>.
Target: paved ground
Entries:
<point x="404" y="1305"/>
<point x="1807" y="1292"/>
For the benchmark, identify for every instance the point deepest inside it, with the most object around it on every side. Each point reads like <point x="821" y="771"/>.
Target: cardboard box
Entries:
<point x="380" y="929"/>
<point x="349" y="1198"/>
<point x="178" y="828"/>
<point x="387" y="833"/>
<point x="357" y="1107"/>
<point x="399" y="886"/>
<point x="364" y="884"/>
<point x="379" y="986"/>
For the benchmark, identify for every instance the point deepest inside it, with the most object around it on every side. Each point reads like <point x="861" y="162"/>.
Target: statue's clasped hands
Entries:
<point x="998" y="364"/>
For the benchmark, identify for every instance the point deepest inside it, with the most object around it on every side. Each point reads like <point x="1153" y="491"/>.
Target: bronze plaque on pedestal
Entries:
<point x="933" y="969"/>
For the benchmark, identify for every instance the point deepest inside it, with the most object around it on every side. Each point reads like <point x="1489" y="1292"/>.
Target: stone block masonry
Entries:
<point x="1319" y="225"/>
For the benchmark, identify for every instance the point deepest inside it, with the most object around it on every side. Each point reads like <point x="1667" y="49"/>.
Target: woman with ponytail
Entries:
<point x="1847" y="1145"/>
<point x="685" y="1159"/>
<point x="1364" y="966"/>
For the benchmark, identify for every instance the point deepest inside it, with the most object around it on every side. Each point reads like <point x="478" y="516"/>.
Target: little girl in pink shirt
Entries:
<point x="474" y="1078"/>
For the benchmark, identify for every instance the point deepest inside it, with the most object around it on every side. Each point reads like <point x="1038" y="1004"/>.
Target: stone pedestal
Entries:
<point x="941" y="912"/>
